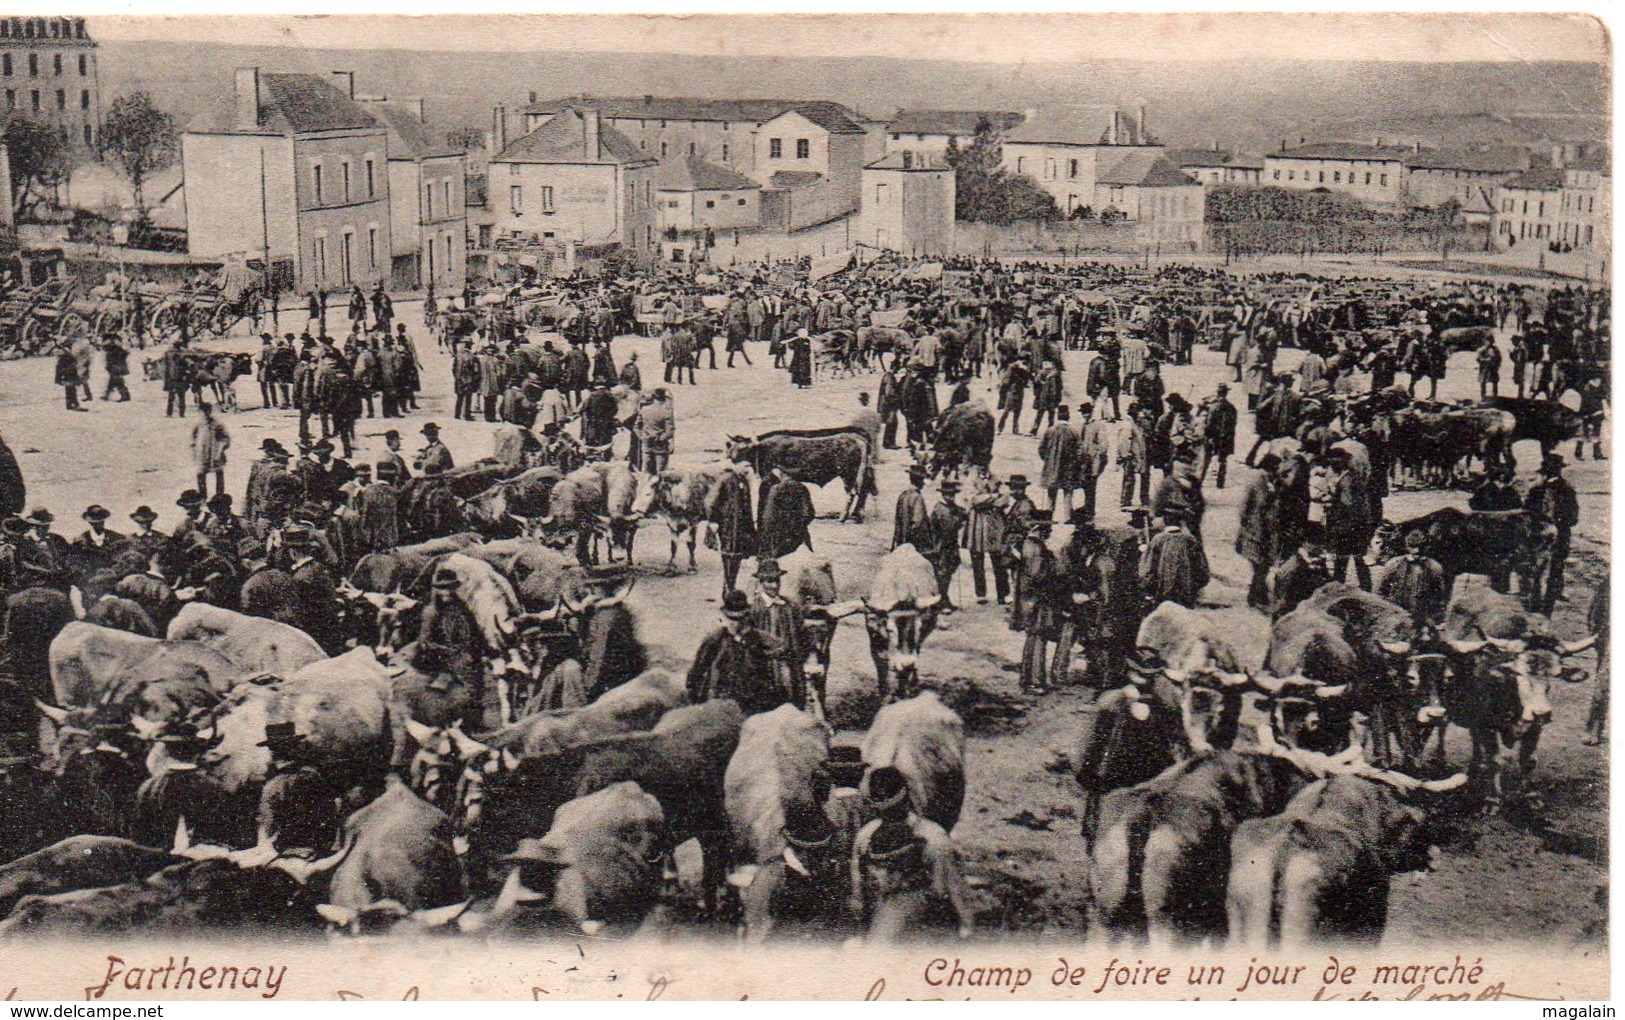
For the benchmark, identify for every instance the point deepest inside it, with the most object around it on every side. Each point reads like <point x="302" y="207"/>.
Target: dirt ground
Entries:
<point x="1514" y="880"/>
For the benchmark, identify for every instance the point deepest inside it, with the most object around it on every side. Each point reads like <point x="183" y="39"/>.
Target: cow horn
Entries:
<point x="1466" y="647"/>
<point x="339" y="917"/>
<point x="303" y="871"/>
<point x="420" y="733"/>
<point x="1330" y="691"/>
<point x="1576" y="647"/>
<point x="1232" y="679"/>
<point x="1395" y="647"/>
<point x="144" y="728"/>
<point x="59" y="716"/>
<point x="1508" y="644"/>
<point x="436" y="917"/>
<point x="1178" y="676"/>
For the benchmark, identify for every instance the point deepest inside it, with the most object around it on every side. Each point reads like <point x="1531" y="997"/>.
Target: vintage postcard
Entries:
<point x="788" y="506"/>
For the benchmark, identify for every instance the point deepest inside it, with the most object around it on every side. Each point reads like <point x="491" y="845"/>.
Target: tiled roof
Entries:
<point x="1539" y="179"/>
<point x="1487" y="161"/>
<point x="691" y="173"/>
<point x="1146" y="169"/>
<point x="1346" y="150"/>
<point x="910" y="161"/>
<point x="949" y="122"/>
<point x="564" y="140"/>
<point x="1597" y="162"/>
<point x="1071" y="125"/>
<point x="793" y="179"/>
<point x="291" y="104"/>
<point x="830" y="116"/>
<point x="409" y="137"/>
<point x="1198" y="157"/>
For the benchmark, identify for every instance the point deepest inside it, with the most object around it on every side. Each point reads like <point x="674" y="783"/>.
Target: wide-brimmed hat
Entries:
<point x="533" y="851"/>
<point x="297" y="535"/>
<point x="1017" y="481"/>
<point x="769" y="568"/>
<point x="96" y="512"/>
<point x="949" y="485"/>
<point x="431" y="429"/>
<point x="189" y="499"/>
<point x="143" y="513"/>
<point x="269" y="444"/>
<point x="1553" y="462"/>
<point x="282" y="734"/>
<point x="220" y="501"/>
<point x="735" y="605"/>
<point x="391" y="434"/>
<point x="40" y="516"/>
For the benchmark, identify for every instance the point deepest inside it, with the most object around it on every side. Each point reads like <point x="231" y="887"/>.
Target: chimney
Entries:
<point x="499" y="129"/>
<point x="345" y="80"/>
<point x="1419" y="146"/>
<point x="533" y="97"/>
<point x="1117" y="120"/>
<point x="1145" y="136"/>
<point x="590" y="139"/>
<point x="248" y="98"/>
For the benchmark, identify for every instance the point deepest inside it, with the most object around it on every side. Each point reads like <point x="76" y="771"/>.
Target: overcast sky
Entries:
<point x="978" y="37"/>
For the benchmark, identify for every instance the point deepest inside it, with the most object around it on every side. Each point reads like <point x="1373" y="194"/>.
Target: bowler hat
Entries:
<point x="143" y="513"/>
<point x="270" y="444"/>
<point x="769" y="568"/>
<point x="298" y="535"/>
<point x="431" y="429"/>
<point x="1553" y="463"/>
<point x="1016" y="481"/>
<point x="281" y="734"/>
<point x="949" y="485"/>
<point x="190" y="498"/>
<point x="220" y="501"/>
<point x="392" y="434"/>
<point x="41" y="516"/>
<point x="96" y="512"/>
<point x="735" y="605"/>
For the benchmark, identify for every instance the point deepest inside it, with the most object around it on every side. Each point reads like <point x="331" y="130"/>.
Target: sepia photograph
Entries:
<point x="1055" y="505"/>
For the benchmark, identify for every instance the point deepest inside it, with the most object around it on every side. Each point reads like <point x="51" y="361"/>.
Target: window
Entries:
<point x="57" y="64"/>
<point x="1072" y="168"/>
<point x="445" y="190"/>
<point x="880" y="194"/>
<point x="61" y="99"/>
<point x="671" y="203"/>
<point x="710" y="203"/>
<point x="428" y="201"/>
<point x="33" y="65"/>
<point x="1277" y="175"/>
<point x="1322" y="177"/>
<point x="84" y="99"/>
<point x="88" y="137"/>
<point x="725" y="152"/>
<point x="547" y="199"/>
<point x="643" y="143"/>
<point x="82" y="65"/>
<point x="1337" y="177"/>
<point x="516" y="200"/>
<point x="1368" y="178"/>
<point x="33" y="95"/>
<point x="1385" y="180"/>
<point x="321" y="258"/>
<point x="372" y="247"/>
<point x="370" y="177"/>
<point x="741" y="201"/>
<point x="11" y="99"/>
<point x="1291" y="175"/>
<point x="803" y="149"/>
<point x="662" y="150"/>
<point x="448" y="253"/>
<point x="1541" y="207"/>
<point x="344" y="175"/>
<point x="7" y="64"/>
<point x="1020" y="163"/>
<point x="346" y="247"/>
<point x="318" y="177"/>
<point x="691" y="148"/>
<point x="775" y="148"/>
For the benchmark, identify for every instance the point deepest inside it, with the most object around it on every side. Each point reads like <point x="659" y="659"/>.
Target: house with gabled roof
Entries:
<point x="1062" y="148"/>
<point x="428" y="213"/>
<point x="1216" y="166"/>
<point x="573" y="179"/>
<point x="929" y="131"/>
<point x="1370" y="173"/>
<point x="694" y="195"/>
<point x="290" y="166"/>
<point x="1435" y="176"/>
<point x="1149" y="190"/>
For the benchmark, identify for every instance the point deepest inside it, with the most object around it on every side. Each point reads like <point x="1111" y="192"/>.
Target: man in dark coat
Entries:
<point x="735" y="661"/>
<point x="1553" y="499"/>
<point x="1042" y="601"/>
<point x="729" y="511"/>
<point x="947" y="527"/>
<point x="299" y="809"/>
<point x="94" y="549"/>
<point x="316" y="586"/>
<point x="787" y="516"/>
<point x="434" y="458"/>
<point x="1180" y="495"/>
<point x="1174" y="567"/>
<point x="600" y="417"/>
<point x="911" y="523"/>
<point x="377" y="511"/>
<point x="13" y="491"/>
<point x="1061" y="450"/>
<point x="1299" y="577"/>
<point x="1218" y="434"/>
<point x="1416" y="582"/>
<point x="782" y="621"/>
<point x="1253" y="542"/>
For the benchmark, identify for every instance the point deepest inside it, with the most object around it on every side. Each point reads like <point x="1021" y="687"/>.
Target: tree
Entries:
<point x="139" y="140"/>
<point x="40" y="161"/>
<point x="985" y="191"/>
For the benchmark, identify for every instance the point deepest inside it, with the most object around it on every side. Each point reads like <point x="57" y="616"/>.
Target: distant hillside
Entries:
<point x="1241" y="104"/>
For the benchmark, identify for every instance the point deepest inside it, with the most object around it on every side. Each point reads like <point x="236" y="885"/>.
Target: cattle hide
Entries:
<point x="1184" y="639"/>
<point x="258" y="645"/>
<point x="111" y="670"/>
<point x="903" y="576"/>
<point x="79" y="862"/>
<point x="610" y="842"/>
<point x="402" y="852"/>
<point x="635" y="705"/>
<point x="780" y="754"/>
<point x="924" y="740"/>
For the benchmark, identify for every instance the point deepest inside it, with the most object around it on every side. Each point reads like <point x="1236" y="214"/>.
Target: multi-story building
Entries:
<point x="779" y="143"/>
<point x="1215" y="166"/>
<point x="694" y="195"/>
<point x="928" y="131"/>
<point x="908" y="204"/>
<point x="428" y="220"/>
<point x="1585" y="205"/>
<point x="49" y="69"/>
<point x="1434" y="177"/>
<point x="1527" y="207"/>
<point x="1149" y="190"/>
<point x="1062" y="148"/>
<point x="294" y="169"/>
<point x="574" y="178"/>
<point x="1370" y="173"/>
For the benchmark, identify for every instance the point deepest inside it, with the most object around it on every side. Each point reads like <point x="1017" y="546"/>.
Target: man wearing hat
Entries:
<point x="145" y="540"/>
<point x="299" y="813"/>
<point x="1254" y="542"/>
<point x="803" y="891"/>
<point x="254" y="493"/>
<point x="985" y="537"/>
<point x="434" y="458"/>
<point x="1497" y="492"/>
<point x="1174" y="568"/>
<point x="314" y="582"/>
<point x="1553" y="499"/>
<point x="1061" y="450"/>
<point x="1300" y="576"/>
<point x="736" y="661"/>
<point x="911" y="521"/>
<point x="210" y="441"/>
<point x="782" y="621"/>
<point x="222" y="526"/>
<point x="909" y="878"/>
<point x="392" y="444"/>
<point x="178" y="791"/>
<point x="1042" y="610"/>
<point x="1218" y="433"/>
<point x="117" y="361"/>
<point x="96" y="547"/>
<point x="947" y="526"/>
<point x="1415" y="581"/>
